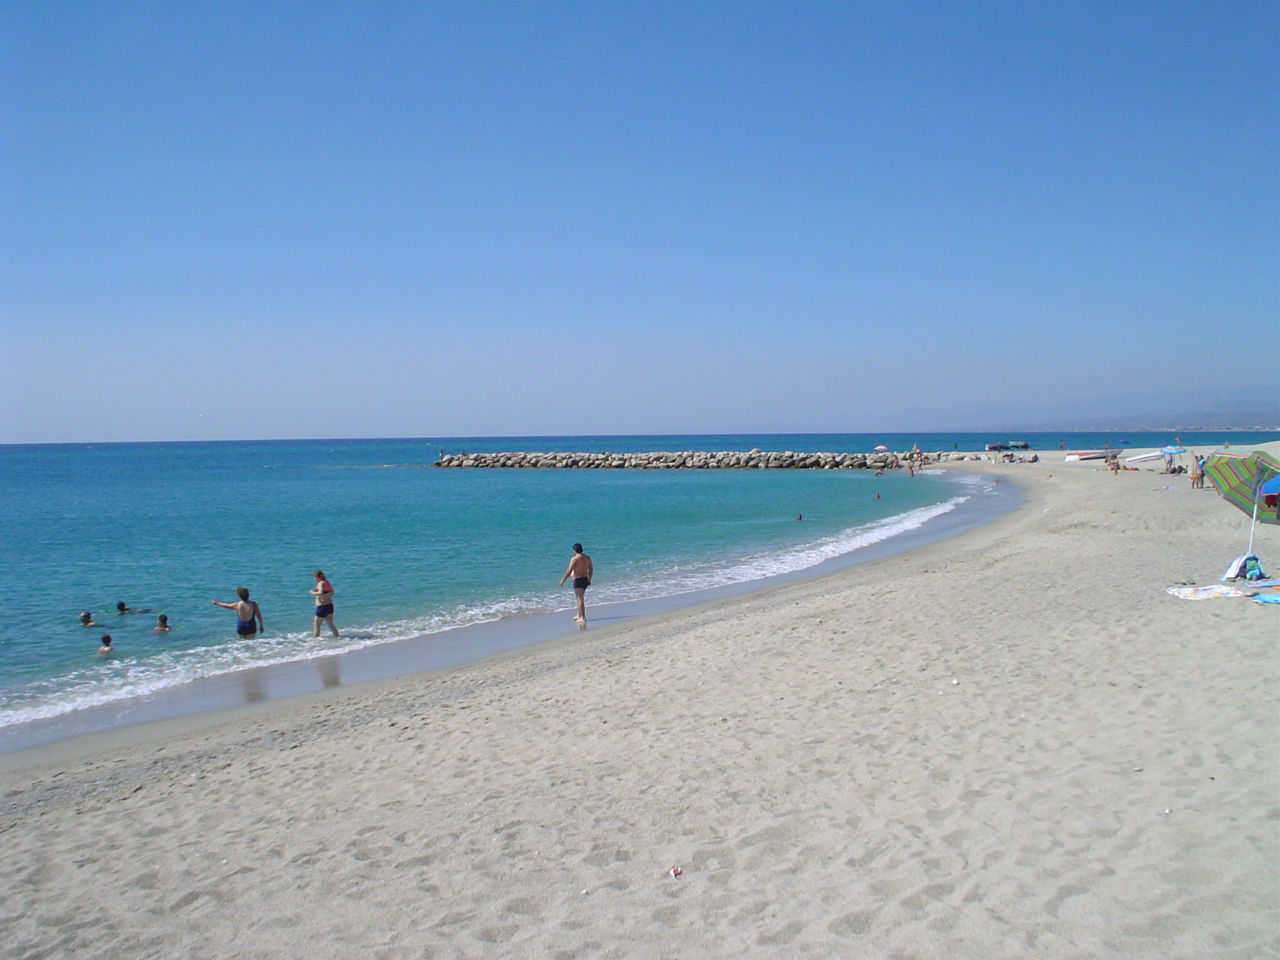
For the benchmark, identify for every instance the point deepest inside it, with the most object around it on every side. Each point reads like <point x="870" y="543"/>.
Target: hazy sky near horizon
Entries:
<point x="339" y="219"/>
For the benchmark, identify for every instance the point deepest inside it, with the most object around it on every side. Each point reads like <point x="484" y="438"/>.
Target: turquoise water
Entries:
<point x="410" y="550"/>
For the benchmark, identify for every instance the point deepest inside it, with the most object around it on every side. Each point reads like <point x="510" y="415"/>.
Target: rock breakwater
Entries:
<point x="701" y="460"/>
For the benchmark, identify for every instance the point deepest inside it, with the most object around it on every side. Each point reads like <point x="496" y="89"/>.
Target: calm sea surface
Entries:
<point x="411" y="551"/>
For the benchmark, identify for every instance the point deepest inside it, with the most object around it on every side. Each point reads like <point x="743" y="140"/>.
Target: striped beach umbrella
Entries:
<point x="1239" y="477"/>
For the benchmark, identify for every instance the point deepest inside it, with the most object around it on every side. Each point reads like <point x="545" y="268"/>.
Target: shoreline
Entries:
<point x="1007" y="743"/>
<point x="455" y="647"/>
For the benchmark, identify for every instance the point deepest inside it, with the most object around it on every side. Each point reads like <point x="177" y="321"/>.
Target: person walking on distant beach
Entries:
<point x="248" y="617"/>
<point x="581" y="570"/>
<point x="323" y="592"/>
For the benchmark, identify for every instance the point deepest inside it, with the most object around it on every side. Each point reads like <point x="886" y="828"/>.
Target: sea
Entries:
<point x="418" y="556"/>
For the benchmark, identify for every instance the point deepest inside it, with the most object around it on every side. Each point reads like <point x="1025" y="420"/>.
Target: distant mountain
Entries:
<point x="1189" y="422"/>
<point x="1247" y="408"/>
<point x="1207" y="417"/>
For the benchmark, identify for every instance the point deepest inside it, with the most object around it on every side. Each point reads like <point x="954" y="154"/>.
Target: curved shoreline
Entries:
<point x="1007" y="743"/>
<point x="207" y="700"/>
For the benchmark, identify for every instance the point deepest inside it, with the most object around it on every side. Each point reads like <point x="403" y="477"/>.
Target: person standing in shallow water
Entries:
<point x="323" y="592"/>
<point x="581" y="570"/>
<point x="248" y="617"/>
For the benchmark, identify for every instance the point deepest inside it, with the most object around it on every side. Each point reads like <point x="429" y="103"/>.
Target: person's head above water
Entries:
<point x="106" y="639"/>
<point x="242" y="593"/>
<point x="85" y="616"/>
<point x="318" y="574"/>
<point x="121" y="606"/>
<point x="577" y="548"/>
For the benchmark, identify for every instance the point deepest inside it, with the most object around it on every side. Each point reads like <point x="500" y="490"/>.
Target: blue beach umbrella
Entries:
<point x="1271" y="491"/>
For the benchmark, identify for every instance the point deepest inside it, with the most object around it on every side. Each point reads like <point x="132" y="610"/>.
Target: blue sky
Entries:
<point x="241" y="220"/>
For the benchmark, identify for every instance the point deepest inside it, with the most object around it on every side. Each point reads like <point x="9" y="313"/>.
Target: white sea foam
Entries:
<point x="128" y="678"/>
<point x="767" y="564"/>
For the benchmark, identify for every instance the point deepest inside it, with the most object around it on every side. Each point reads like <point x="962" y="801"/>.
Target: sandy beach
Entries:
<point x="1010" y="744"/>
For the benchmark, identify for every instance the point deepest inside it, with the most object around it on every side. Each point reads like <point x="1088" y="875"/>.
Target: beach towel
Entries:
<point x="1211" y="592"/>
<point x="1266" y="598"/>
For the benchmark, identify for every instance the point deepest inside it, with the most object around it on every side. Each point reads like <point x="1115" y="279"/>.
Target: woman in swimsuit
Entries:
<point x="248" y="616"/>
<point x="323" y="592"/>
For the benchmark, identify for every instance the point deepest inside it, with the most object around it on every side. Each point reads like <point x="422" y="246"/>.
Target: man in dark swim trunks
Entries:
<point x="581" y="570"/>
<point x="248" y="616"/>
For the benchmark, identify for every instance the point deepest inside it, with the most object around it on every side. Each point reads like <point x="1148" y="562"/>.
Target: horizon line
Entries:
<point x="437" y="438"/>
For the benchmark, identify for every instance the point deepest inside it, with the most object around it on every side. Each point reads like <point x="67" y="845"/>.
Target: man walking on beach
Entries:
<point x="581" y="570"/>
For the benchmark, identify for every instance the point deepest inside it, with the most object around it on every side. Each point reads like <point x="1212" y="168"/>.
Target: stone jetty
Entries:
<point x="701" y="460"/>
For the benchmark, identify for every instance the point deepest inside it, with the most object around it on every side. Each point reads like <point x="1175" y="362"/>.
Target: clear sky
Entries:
<point x="309" y="219"/>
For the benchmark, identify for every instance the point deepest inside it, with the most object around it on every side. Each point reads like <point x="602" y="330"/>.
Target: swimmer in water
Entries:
<point x="248" y="616"/>
<point x="323" y="593"/>
<point x="86" y="619"/>
<point x="106" y="645"/>
<point x="162" y="624"/>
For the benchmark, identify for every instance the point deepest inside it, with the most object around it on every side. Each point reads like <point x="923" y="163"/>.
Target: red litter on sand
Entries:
<point x="675" y="870"/>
